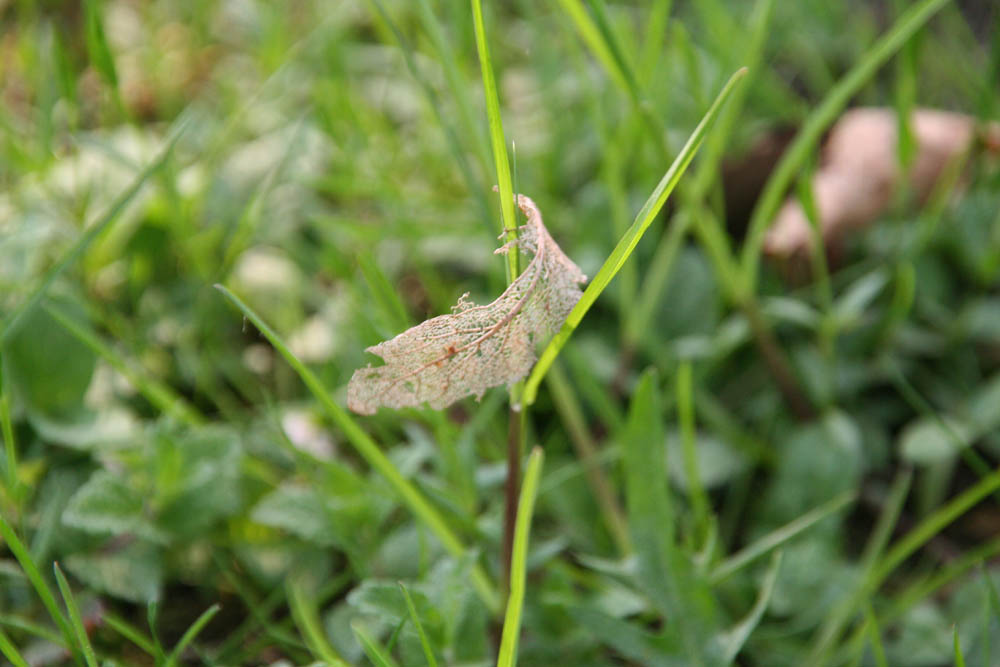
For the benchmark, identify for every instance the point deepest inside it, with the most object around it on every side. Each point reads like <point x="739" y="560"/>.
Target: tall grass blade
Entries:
<point x="369" y="450"/>
<point x="777" y="537"/>
<point x="160" y="395"/>
<point x="519" y="559"/>
<point x="310" y="626"/>
<point x="377" y="653"/>
<point x="959" y="656"/>
<point x="497" y="140"/>
<point x="76" y="620"/>
<point x="734" y="639"/>
<point x="447" y="127"/>
<point x="629" y="241"/>
<point x="35" y="577"/>
<point x="689" y="449"/>
<point x="903" y="549"/>
<point x="425" y="642"/>
<point x="875" y="634"/>
<point x="192" y="632"/>
<point x="129" y="632"/>
<point x="10" y="324"/>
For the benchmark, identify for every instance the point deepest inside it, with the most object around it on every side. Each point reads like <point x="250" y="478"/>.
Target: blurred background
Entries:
<point x="329" y="163"/>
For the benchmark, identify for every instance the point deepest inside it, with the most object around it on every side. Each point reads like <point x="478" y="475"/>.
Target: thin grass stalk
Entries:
<point x="519" y="564"/>
<point x="369" y="450"/>
<point x="628" y="242"/>
<point x="587" y="452"/>
<point x="517" y="417"/>
<point x="829" y="633"/>
<point x="75" y="619"/>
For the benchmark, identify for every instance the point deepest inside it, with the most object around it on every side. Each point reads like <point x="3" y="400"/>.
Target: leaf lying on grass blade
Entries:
<point x="463" y="354"/>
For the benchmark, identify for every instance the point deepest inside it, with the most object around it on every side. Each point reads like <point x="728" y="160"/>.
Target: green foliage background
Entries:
<point x="330" y="164"/>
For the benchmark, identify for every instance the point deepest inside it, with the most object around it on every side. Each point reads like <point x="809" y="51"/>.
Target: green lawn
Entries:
<point x="209" y="210"/>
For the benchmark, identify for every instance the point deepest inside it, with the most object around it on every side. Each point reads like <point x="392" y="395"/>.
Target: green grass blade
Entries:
<point x="959" y="657"/>
<point x="519" y="559"/>
<point x="129" y="632"/>
<point x="497" y="140"/>
<point x="460" y="89"/>
<point x="447" y="127"/>
<point x="308" y="622"/>
<point x="369" y="450"/>
<point x="161" y="396"/>
<point x="79" y="632"/>
<point x="378" y="655"/>
<point x="32" y="628"/>
<point x="777" y="537"/>
<point x="628" y="242"/>
<point x="191" y="633"/>
<point x="587" y="451"/>
<point x="595" y="41"/>
<point x="875" y="634"/>
<point x="10" y="651"/>
<point x="735" y="638"/>
<point x="817" y="123"/>
<point x="9" y="446"/>
<point x="425" y="642"/>
<point x="903" y="549"/>
<point x="86" y="239"/>
<point x="685" y="417"/>
<point x="35" y="577"/>
<point x="710" y="232"/>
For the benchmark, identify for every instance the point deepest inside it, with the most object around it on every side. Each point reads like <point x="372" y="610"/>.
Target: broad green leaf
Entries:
<point x="107" y="504"/>
<point x="49" y="369"/>
<point x="133" y="573"/>
<point x="665" y="573"/>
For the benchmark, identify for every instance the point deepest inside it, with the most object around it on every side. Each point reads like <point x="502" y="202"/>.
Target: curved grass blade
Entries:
<point x="875" y="634"/>
<point x="734" y="639"/>
<point x="831" y="630"/>
<point x="370" y="451"/>
<point x="191" y="633"/>
<point x="35" y="577"/>
<point x="424" y="640"/>
<point x="309" y="625"/>
<point x="817" y="123"/>
<point x="447" y="127"/>
<point x="519" y="559"/>
<point x="12" y="321"/>
<point x="376" y="652"/>
<point x="776" y="538"/>
<point x="129" y="632"/>
<point x="160" y="395"/>
<point x="628" y="242"/>
<point x="79" y="632"/>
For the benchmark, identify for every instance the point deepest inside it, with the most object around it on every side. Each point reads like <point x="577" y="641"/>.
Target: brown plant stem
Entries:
<point x="776" y="362"/>
<point x="512" y="489"/>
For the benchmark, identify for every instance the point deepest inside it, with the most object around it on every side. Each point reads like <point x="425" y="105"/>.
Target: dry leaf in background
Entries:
<point x="476" y="347"/>
<point x="859" y="172"/>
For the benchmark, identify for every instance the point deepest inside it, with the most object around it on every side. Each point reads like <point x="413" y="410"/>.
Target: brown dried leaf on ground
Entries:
<point x="859" y="172"/>
<point x="463" y="354"/>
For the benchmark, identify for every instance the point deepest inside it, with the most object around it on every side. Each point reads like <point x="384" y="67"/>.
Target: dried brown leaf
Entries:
<point x="859" y="172"/>
<point x="463" y="354"/>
